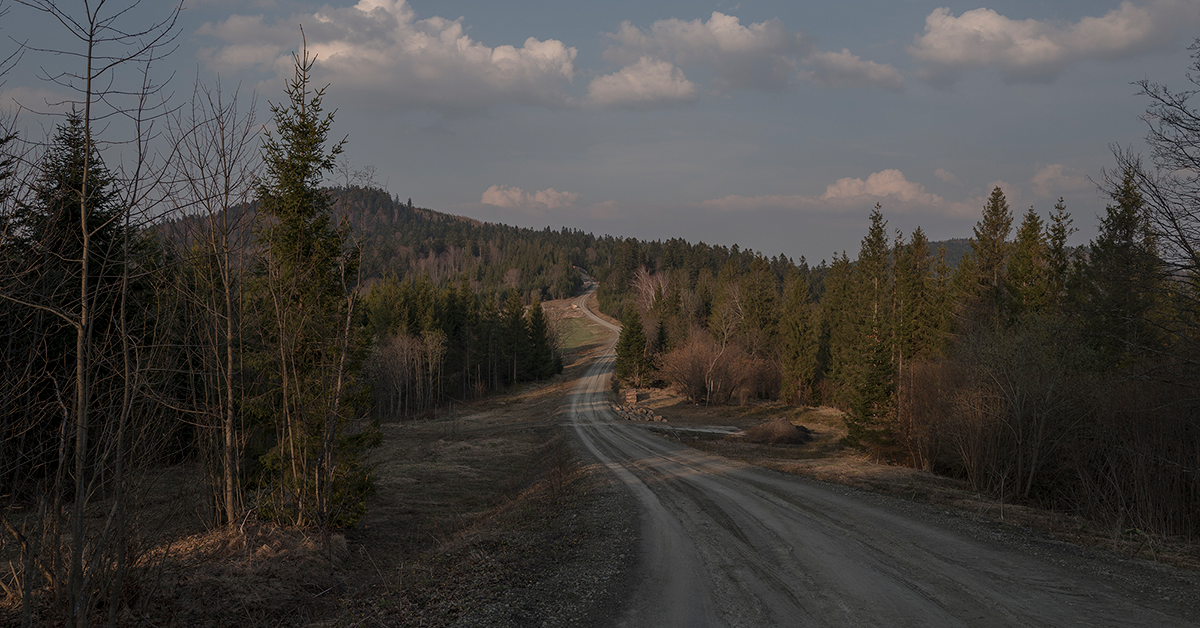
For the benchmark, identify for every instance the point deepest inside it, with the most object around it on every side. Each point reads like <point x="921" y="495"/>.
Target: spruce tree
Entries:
<point x="306" y="293"/>
<point x="990" y="250"/>
<point x="872" y="371"/>
<point x="798" y="333"/>
<point x="632" y="363"/>
<point x="1123" y="283"/>
<point x="839" y="330"/>
<point x="1058" y="258"/>
<point x="516" y="339"/>
<point x="1029" y="287"/>
<point x="759" y="295"/>
<point x="44" y="257"/>
<point x="541" y="358"/>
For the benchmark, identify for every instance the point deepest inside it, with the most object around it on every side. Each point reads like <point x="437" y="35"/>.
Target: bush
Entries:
<point x="707" y="373"/>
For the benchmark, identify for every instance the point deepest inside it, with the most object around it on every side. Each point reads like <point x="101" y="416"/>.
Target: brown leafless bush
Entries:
<point x="762" y="379"/>
<point x="1138" y="466"/>
<point x="1002" y="410"/>
<point x="707" y="372"/>
<point x="1022" y="416"/>
<point x="924" y="414"/>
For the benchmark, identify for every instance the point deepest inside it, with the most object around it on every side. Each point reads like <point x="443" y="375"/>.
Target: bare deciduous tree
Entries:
<point x="215" y="170"/>
<point x="108" y="72"/>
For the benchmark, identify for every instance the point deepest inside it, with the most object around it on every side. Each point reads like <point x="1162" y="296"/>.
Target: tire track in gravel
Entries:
<point x="727" y="544"/>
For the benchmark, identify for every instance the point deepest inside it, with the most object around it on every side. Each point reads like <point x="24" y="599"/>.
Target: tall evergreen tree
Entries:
<point x="541" y="358"/>
<point x="990" y="250"/>
<point x="1122" y="279"/>
<point x="307" y="293"/>
<point x="839" y="331"/>
<point x="759" y="295"/>
<point x="54" y="238"/>
<point x="873" y="383"/>
<point x="798" y="336"/>
<point x="916" y="324"/>
<point x="1029" y="287"/>
<point x="516" y="339"/>
<point x="1058" y="258"/>
<point x="632" y="363"/>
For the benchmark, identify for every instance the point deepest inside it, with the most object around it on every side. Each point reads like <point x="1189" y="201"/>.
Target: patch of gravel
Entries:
<point x="1155" y="582"/>
<point x="575" y="570"/>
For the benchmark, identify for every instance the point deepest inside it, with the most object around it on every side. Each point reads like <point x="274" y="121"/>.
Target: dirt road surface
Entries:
<point x="727" y="544"/>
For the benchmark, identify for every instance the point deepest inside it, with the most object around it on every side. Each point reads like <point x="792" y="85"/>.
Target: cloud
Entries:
<point x="380" y="52"/>
<point x="538" y="202"/>
<point x="648" y="82"/>
<point x="881" y="184"/>
<point x="35" y="99"/>
<point x="946" y="176"/>
<point x="380" y="48"/>
<point x="1034" y="51"/>
<point x="887" y="187"/>
<point x="756" y="56"/>
<point x="1056" y="180"/>
<point x="843" y="68"/>
<point x="763" y="56"/>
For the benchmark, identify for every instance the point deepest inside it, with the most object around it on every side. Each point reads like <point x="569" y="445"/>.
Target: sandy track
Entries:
<point x="726" y="544"/>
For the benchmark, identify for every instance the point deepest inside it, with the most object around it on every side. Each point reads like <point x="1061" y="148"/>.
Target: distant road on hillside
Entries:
<point x="725" y="544"/>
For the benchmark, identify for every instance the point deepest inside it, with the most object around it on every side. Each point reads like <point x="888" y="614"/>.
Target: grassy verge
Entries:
<point x="487" y="517"/>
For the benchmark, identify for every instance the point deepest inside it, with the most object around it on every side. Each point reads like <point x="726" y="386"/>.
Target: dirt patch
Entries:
<point x="777" y="431"/>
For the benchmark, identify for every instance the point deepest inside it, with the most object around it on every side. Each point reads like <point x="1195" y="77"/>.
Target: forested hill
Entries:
<point x="409" y="242"/>
<point x="412" y="242"/>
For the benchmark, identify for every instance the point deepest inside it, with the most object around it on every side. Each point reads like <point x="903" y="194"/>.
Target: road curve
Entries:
<point x="727" y="544"/>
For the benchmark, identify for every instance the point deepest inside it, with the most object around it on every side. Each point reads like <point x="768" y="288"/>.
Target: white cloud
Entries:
<point x="763" y="55"/>
<point x="759" y="55"/>
<point x="890" y="188"/>
<point x="946" y="176"/>
<point x="380" y="48"/>
<point x="843" y="68"/>
<point x="647" y="82"/>
<point x="1054" y="180"/>
<point x="1037" y="51"/>
<point x="881" y="184"/>
<point x="538" y="202"/>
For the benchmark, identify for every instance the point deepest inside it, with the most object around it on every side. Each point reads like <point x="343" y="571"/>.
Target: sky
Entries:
<point x="773" y="125"/>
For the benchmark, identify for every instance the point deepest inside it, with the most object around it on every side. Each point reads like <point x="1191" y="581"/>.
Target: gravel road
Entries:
<point x="727" y="544"/>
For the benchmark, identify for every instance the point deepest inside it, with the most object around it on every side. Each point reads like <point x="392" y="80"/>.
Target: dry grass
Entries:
<point x="473" y="505"/>
<point x="183" y="574"/>
<point x="464" y="501"/>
